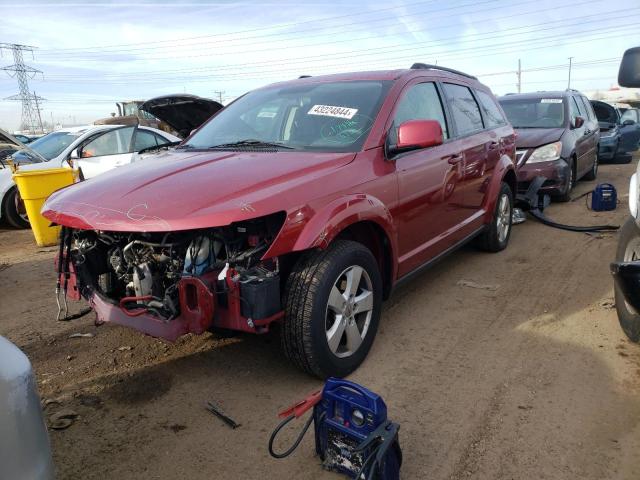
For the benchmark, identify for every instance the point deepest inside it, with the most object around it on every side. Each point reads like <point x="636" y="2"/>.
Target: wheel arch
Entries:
<point x="504" y="172"/>
<point x="359" y="217"/>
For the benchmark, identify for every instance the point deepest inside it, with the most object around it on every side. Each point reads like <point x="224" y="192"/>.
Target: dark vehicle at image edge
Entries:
<point x="557" y="137"/>
<point x="618" y="137"/>
<point x="301" y="203"/>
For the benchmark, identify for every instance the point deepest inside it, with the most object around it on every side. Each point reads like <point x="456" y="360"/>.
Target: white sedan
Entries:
<point x="94" y="148"/>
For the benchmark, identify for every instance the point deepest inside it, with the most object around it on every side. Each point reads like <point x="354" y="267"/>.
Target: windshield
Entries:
<point x="326" y="117"/>
<point x="54" y="143"/>
<point x="534" y="112"/>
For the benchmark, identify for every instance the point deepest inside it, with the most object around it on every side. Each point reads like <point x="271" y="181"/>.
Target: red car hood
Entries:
<point x="187" y="190"/>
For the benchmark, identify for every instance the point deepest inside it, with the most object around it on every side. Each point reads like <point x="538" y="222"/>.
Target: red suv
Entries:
<point x="301" y="203"/>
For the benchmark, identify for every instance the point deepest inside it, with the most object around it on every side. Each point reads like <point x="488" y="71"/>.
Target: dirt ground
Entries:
<point x="532" y="380"/>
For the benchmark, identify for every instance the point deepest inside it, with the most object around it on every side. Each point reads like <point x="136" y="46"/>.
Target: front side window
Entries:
<point x="465" y="110"/>
<point x="586" y="107"/>
<point x="575" y="110"/>
<point x="630" y="114"/>
<point x="492" y="115"/>
<point x="536" y="112"/>
<point x="144" y="140"/>
<point x="326" y="117"/>
<point x="113" y="142"/>
<point x="421" y="102"/>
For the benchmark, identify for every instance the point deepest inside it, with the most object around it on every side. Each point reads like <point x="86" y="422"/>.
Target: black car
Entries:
<point x="618" y="137"/>
<point x="558" y="138"/>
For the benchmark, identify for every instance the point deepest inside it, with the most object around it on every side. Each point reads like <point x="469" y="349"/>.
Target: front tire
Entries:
<point x="496" y="237"/>
<point x="593" y="173"/>
<point x="566" y="195"/>
<point x="333" y="300"/>
<point x="628" y="250"/>
<point x="13" y="209"/>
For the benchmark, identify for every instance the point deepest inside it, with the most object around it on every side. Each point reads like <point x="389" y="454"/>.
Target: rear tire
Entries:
<point x="11" y="206"/>
<point x="330" y="297"/>
<point x="496" y="237"/>
<point x="628" y="243"/>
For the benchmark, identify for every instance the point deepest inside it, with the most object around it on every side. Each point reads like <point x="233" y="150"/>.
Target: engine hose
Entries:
<point x="538" y="215"/>
<point x="292" y="448"/>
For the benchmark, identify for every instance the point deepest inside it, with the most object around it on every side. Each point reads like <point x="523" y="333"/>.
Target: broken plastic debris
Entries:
<point x="62" y="419"/>
<point x="480" y="286"/>
<point x="81" y="335"/>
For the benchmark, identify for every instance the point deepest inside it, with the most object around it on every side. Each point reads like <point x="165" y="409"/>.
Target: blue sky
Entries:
<point x="95" y="53"/>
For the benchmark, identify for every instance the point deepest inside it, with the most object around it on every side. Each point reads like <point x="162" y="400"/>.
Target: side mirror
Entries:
<point x="578" y="122"/>
<point x="416" y="134"/>
<point x="629" y="73"/>
<point x="75" y="154"/>
<point x="628" y="122"/>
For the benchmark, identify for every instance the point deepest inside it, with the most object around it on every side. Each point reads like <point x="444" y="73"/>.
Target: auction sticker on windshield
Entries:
<point x="332" y="111"/>
<point x="551" y="100"/>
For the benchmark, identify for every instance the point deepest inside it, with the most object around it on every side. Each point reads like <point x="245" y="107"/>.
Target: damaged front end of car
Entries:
<point x="168" y="284"/>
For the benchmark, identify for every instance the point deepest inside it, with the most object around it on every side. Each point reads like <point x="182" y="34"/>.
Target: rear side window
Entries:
<point x="465" y="110"/>
<point x="421" y="102"/>
<point x="490" y="111"/>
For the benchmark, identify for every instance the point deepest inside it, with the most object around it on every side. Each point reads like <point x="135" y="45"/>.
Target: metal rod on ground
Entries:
<point x="221" y="415"/>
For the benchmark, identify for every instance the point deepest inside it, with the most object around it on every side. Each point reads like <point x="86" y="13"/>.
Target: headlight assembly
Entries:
<point x="546" y="153"/>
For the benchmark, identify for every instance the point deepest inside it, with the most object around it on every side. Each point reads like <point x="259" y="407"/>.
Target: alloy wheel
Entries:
<point x="504" y="217"/>
<point x="349" y="311"/>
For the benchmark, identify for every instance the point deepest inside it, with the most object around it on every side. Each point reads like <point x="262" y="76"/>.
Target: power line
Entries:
<point x="97" y="57"/>
<point x="305" y="32"/>
<point x="501" y="48"/>
<point x="510" y="32"/>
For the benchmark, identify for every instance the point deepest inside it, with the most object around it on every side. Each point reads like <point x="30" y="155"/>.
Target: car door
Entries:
<point x="630" y="130"/>
<point x="106" y="151"/>
<point x="473" y="141"/>
<point x="427" y="180"/>
<point x="582" y="138"/>
<point x="593" y="129"/>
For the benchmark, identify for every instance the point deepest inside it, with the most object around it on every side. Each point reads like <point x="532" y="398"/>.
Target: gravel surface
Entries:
<point x="529" y="379"/>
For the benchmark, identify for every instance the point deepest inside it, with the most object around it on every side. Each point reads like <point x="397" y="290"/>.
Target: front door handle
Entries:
<point x="455" y="159"/>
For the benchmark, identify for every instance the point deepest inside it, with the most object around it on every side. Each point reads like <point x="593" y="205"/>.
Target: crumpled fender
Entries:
<point x="504" y="165"/>
<point x="304" y="228"/>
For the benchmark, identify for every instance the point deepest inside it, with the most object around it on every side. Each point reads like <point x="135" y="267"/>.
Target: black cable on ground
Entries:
<point x="295" y="444"/>
<point x="75" y="316"/>
<point x="538" y="215"/>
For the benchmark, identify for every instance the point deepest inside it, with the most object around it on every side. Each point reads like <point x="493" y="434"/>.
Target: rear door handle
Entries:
<point x="455" y="159"/>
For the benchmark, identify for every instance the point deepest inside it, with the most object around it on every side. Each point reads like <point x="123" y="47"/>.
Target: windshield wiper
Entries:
<point x="252" y="143"/>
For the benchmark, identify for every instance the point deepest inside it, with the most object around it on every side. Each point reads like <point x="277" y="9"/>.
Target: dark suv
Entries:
<point x="557" y="137"/>
<point x="302" y="203"/>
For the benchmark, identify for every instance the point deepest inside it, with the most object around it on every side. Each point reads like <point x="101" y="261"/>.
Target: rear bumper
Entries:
<point x="627" y="278"/>
<point x="556" y="173"/>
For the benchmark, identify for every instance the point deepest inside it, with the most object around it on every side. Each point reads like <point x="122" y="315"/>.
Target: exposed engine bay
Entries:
<point x="141" y="272"/>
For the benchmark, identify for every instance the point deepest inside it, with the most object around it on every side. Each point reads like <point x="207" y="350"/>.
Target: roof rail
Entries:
<point x="572" y="90"/>
<point x="426" y="66"/>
